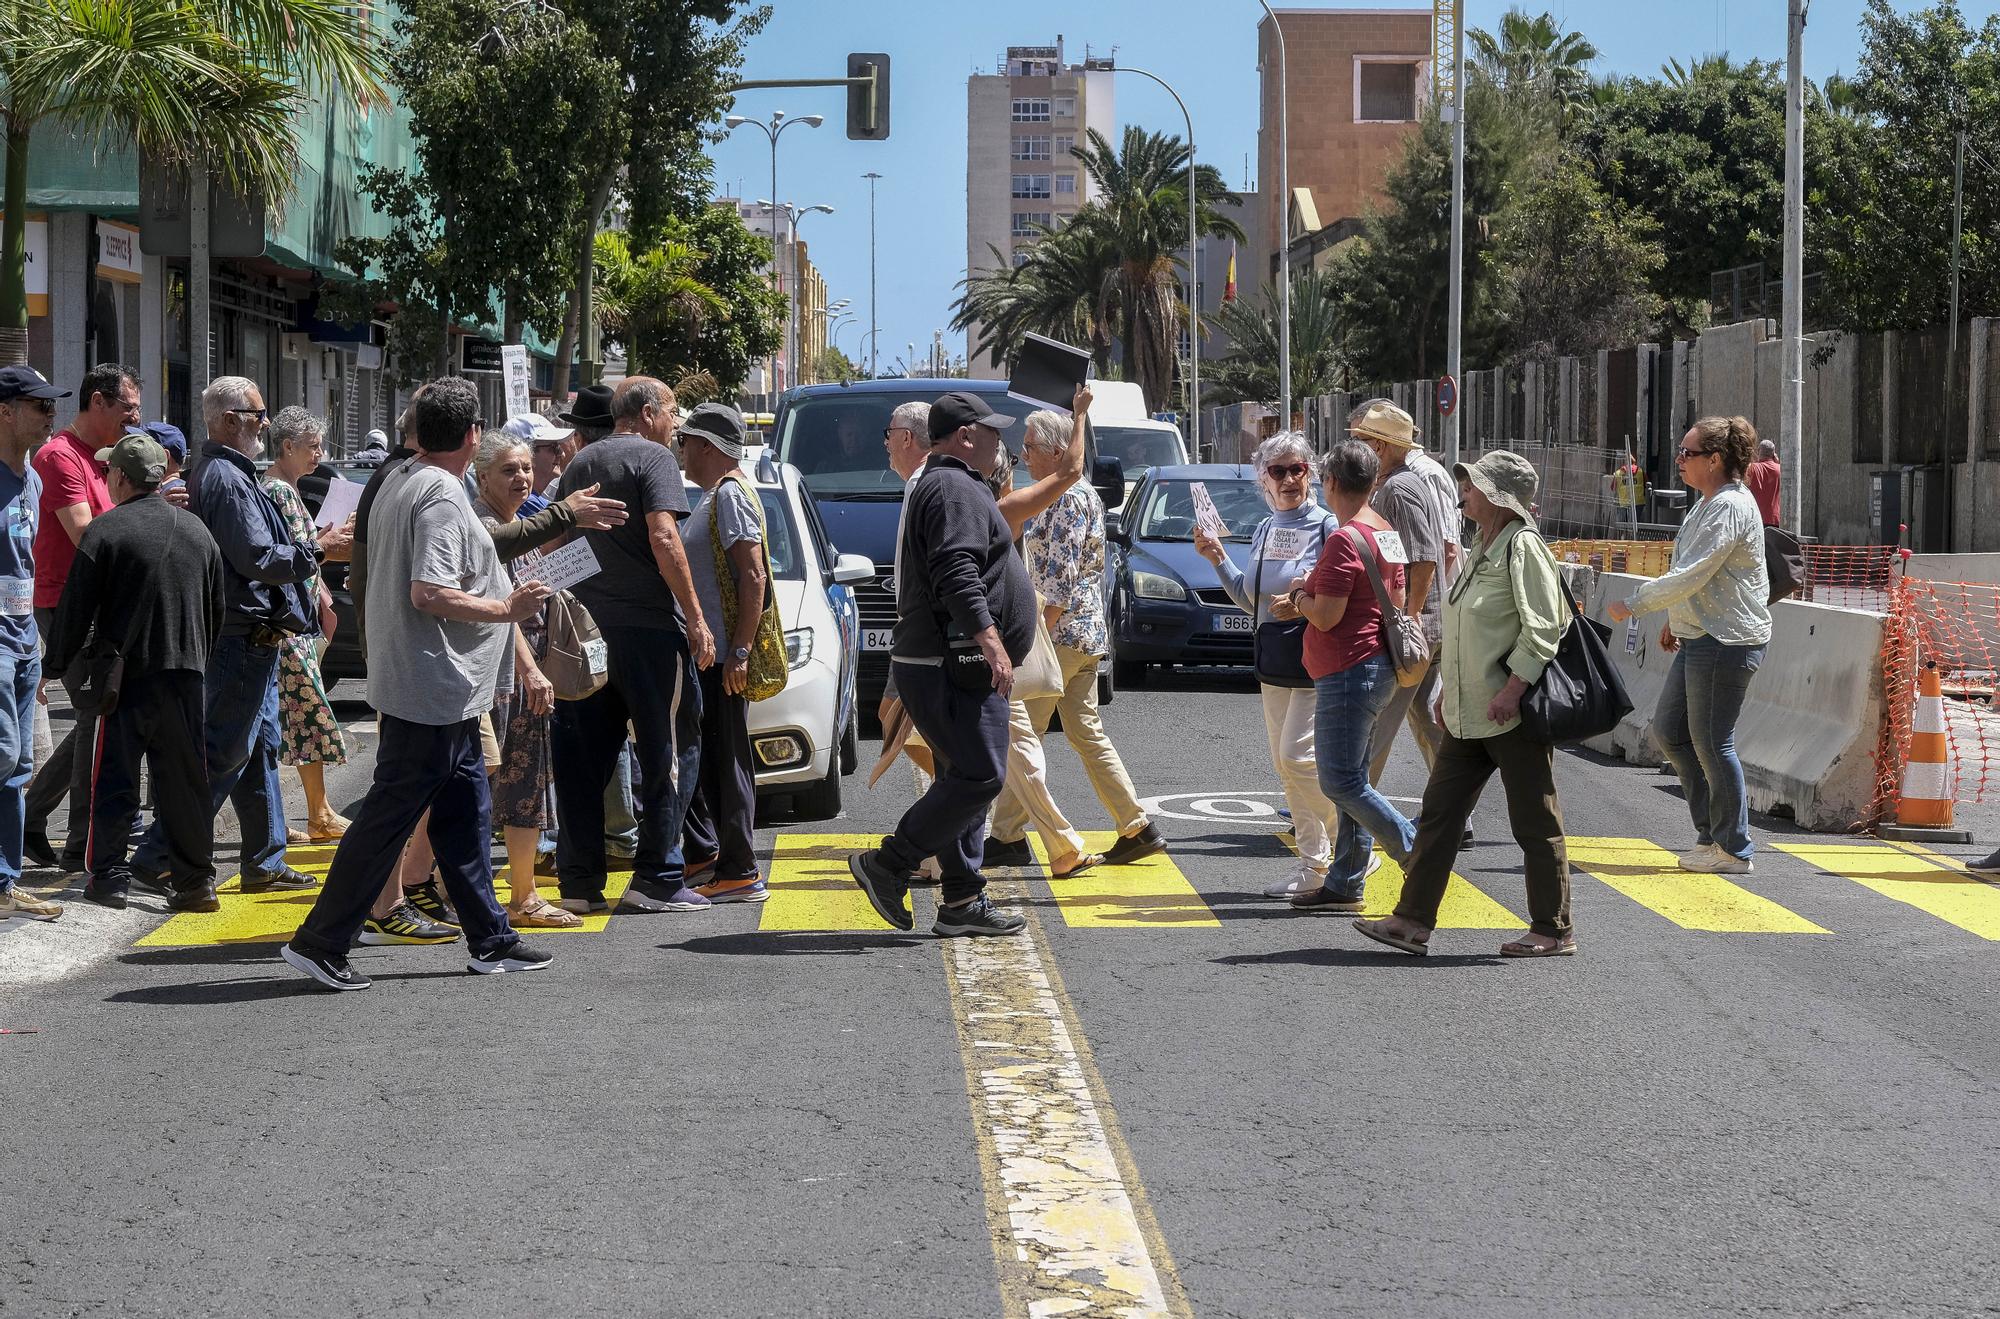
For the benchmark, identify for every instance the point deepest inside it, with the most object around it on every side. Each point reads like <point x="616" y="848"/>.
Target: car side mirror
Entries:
<point x="851" y="568"/>
<point x="1114" y="526"/>
<point x="1107" y="478"/>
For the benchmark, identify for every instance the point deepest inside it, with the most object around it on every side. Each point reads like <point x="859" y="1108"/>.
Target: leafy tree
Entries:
<point x="1248" y="372"/>
<point x="834" y="365"/>
<point x="695" y="302"/>
<point x="209" y="83"/>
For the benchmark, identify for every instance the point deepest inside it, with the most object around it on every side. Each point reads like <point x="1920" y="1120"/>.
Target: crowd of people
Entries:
<point x="187" y="617"/>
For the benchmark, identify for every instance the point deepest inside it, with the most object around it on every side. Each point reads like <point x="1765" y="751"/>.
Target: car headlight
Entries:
<point x="798" y="647"/>
<point x="1154" y="586"/>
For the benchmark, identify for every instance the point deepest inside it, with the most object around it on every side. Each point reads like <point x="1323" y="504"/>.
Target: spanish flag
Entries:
<point x="1229" y="284"/>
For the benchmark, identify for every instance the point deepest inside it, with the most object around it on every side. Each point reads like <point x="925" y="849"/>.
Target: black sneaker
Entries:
<point x="198" y="896"/>
<point x="976" y="917"/>
<point x="282" y="880"/>
<point x="1016" y="853"/>
<point x="888" y="892"/>
<point x="1320" y="900"/>
<point x="1147" y="842"/>
<point x="36" y="847"/>
<point x="330" y="969"/>
<point x="153" y="881"/>
<point x="519" y="957"/>
<point x="428" y="898"/>
<point x="107" y="892"/>
<point x="405" y="924"/>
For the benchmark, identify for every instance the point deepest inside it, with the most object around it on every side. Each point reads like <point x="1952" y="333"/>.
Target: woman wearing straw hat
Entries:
<point x="1503" y="618"/>
<point x="1717" y="600"/>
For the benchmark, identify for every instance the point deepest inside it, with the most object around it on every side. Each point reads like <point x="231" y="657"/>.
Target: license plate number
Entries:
<point x="877" y="638"/>
<point x="1233" y="623"/>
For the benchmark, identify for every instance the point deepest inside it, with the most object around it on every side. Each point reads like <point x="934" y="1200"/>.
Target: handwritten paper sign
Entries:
<point x="560" y="569"/>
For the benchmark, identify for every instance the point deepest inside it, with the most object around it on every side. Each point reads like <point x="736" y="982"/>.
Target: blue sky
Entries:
<point x="1205" y="48"/>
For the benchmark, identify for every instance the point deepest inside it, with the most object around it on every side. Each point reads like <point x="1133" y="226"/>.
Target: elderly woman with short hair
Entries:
<point x="312" y="738"/>
<point x="1285" y="549"/>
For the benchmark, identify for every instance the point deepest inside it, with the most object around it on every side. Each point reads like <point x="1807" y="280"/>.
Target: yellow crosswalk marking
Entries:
<point x="811" y="887"/>
<point x="1149" y="893"/>
<point x="1465" y="907"/>
<point x="1651" y="876"/>
<point x="1913" y="876"/>
<point x="272" y="917"/>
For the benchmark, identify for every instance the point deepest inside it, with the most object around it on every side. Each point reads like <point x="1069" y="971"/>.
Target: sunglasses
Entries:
<point x="261" y="414"/>
<point x="1286" y="471"/>
<point x="891" y="432"/>
<point x="1682" y="455"/>
<point x="45" y="406"/>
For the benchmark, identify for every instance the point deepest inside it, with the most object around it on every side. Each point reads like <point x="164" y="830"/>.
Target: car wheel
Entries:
<point x="1107" y="688"/>
<point x="822" y="800"/>
<point x="1128" y="673"/>
<point x="850" y="742"/>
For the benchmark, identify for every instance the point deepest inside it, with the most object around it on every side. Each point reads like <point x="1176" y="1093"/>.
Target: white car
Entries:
<point x="805" y="738"/>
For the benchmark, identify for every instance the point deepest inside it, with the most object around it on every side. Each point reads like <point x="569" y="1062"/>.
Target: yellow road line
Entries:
<point x="1912" y="876"/>
<point x="1651" y="876"/>
<point x="1466" y="906"/>
<point x="811" y="887"/>
<point x="1150" y="893"/>
<point x="1072" y="1231"/>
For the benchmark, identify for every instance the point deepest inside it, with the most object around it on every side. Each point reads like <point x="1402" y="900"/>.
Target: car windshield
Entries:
<point x="1138" y="446"/>
<point x="1169" y="511"/>
<point x="779" y="533"/>
<point x="836" y="441"/>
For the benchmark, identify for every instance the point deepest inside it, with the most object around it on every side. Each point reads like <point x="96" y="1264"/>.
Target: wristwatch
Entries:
<point x="740" y="653"/>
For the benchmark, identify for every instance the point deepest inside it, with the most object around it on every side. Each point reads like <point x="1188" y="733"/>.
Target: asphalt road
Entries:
<point x="1197" y="1099"/>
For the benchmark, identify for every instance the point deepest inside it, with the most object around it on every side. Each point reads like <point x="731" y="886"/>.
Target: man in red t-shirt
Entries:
<point x="73" y="492"/>
<point x="1762" y="477"/>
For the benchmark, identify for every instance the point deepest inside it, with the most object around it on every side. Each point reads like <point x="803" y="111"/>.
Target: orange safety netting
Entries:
<point x="1956" y="626"/>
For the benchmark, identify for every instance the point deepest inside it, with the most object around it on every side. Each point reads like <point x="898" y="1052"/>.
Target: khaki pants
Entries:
<point x="1085" y="731"/>
<point x="1288" y="728"/>
<point x="1027" y="789"/>
<point x="1528" y="773"/>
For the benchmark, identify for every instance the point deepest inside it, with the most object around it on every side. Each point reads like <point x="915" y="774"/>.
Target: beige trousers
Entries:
<point x="1028" y="786"/>
<point x="1288" y="723"/>
<point x="1085" y="731"/>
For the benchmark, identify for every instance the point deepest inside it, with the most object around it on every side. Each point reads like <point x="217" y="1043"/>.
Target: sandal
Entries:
<point x="538" y="913"/>
<point x="331" y="829"/>
<point x="1380" y="932"/>
<point x="1083" y="863"/>
<point x="1563" y="947"/>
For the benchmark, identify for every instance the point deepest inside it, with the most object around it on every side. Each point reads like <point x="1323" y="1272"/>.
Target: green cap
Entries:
<point x="139" y="456"/>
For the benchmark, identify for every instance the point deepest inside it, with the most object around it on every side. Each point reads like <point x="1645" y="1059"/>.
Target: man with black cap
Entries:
<point x="725" y="541"/>
<point x="146" y="584"/>
<point x="27" y="416"/>
<point x="965" y="617"/>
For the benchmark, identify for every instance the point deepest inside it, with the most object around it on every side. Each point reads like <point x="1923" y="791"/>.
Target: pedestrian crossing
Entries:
<point x="812" y="891"/>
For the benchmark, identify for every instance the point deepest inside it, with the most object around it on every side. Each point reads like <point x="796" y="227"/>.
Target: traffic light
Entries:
<point x="868" y="101"/>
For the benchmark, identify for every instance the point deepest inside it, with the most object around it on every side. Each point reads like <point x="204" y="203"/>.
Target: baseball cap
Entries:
<point x="719" y="424"/>
<point x="960" y="408"/>
<point x="139" y="456"/>
<point x="26" y="382"/>
<point x="535" y="429"/>
<point x="168" y="436"/>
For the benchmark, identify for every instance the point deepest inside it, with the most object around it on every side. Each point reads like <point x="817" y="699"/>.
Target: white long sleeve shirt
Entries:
<point x="1719" y="586"/>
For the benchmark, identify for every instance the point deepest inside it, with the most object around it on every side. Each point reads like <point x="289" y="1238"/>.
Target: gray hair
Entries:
<point x="1050" y="429"/>
<point x="914" y="417"/>
<point x="222" y="394"/>
<point x="293" y="423"/>
<point x="493" y="446"/>
<point x="1766" y="450"/>
<point x="1351" y="467"/>
<point x="1286" y="444"/>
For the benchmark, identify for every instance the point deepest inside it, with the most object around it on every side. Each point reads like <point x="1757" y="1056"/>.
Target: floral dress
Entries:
<point x="311" y="735"/>
<point x="522" y="787"/>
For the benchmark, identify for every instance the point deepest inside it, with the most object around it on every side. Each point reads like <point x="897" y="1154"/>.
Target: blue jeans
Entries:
<point x="1696" y="724"/>
<point x="240" y="732"/>
<point x="1346" y="707"/>
<point x="19" y="677"/>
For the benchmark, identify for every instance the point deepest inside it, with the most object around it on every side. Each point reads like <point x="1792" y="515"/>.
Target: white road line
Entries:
<point x="1072" y="1234"/>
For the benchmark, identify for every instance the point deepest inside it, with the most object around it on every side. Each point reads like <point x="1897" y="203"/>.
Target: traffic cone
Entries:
<point x="1924" y="813"/>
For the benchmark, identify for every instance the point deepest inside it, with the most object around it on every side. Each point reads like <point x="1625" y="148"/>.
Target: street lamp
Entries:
<point x="1194" y="271"/>
<point x="778" y="124"/>
<point x="1284" y="200"/>
<point x="872" y="177"/>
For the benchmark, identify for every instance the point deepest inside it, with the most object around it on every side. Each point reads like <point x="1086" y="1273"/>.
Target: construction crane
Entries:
<point x="1445" y="18"/>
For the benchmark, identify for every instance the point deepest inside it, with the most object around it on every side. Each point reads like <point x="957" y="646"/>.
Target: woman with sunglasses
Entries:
<point x="1717" y="601"/>
<point x="1284" y="550"/>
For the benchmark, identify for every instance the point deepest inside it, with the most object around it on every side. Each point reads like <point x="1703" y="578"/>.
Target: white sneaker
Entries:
<point x="1718" y="862"/>
<point x="1696" y="858"/>
<point x="1374" y="863"/>
<point x="1305" y="881"/>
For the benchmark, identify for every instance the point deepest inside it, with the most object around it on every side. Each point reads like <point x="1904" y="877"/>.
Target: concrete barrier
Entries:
<point x="1810" y="724"/>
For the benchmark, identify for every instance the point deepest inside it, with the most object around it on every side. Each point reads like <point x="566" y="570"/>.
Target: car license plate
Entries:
<point x="1233" y="623"/>
<point x="877" y="638"/>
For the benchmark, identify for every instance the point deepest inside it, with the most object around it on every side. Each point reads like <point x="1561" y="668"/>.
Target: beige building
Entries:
<point x="1357" y="82"/>
<point x="796" y="275"/>
<point x="1021" y="122"/>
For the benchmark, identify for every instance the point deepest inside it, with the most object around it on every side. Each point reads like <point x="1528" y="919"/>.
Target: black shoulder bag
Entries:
<point x="1278" y="650"/>
<point x="1579" y="695"/>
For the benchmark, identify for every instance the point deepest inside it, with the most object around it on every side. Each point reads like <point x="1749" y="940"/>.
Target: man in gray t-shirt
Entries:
<point x="441" y="626"/>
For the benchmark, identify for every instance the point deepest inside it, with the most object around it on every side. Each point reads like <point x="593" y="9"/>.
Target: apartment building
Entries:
<point x="1022" y="121"/>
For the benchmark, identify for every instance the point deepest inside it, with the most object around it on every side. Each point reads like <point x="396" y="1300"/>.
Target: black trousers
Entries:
<point x="159" y="720"/>
<point x="67" y="771"/>
<point x="967" y="733"/>
<point x="722" y="817"/>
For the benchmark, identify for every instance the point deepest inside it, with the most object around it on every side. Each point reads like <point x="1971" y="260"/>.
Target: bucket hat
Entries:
<point x="1506" y="478"/>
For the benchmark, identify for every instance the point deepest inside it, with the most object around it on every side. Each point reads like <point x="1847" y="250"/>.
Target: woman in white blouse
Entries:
<point x="1718" y="623"/>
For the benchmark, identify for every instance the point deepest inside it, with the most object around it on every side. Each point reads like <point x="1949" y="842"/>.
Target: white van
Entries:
<point x="1124" y="431"/>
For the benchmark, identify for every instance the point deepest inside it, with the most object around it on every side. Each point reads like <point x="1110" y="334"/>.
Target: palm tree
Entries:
<point x="1065" y="288"/>
<point x="203" y="84"/>
<point x="1249" y="370"/>
<point x="654" y="303"/>
<point x="1535" y="55"/>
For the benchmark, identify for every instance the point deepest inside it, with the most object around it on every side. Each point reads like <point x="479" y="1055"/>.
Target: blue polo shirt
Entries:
<point x="20" y="507"/>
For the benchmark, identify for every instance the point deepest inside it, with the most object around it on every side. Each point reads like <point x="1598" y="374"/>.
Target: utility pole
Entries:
<point x="872" y="177"/>
<point x="1951" y="344"/>
<point x="1283" y="201"/>
<point x="1791" y="397"/>
<point x="1455" y="316"/>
